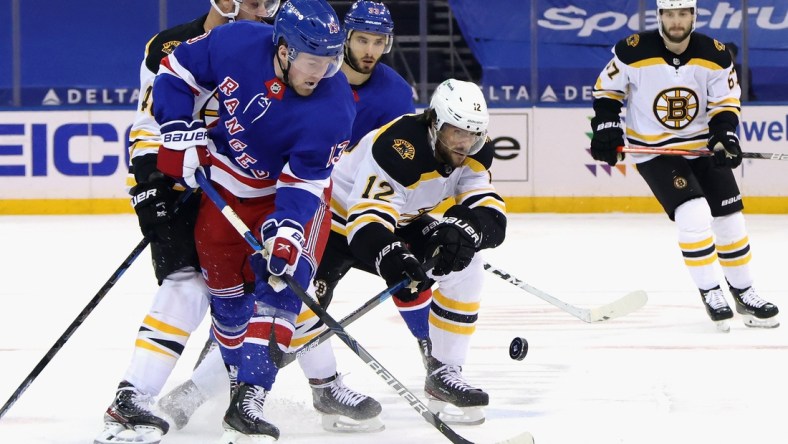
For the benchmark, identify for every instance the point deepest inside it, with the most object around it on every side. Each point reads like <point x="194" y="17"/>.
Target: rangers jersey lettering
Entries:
<point x="268" y="139"/>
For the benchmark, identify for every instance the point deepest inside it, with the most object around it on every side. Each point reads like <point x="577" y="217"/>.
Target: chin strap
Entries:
<point x="285" y="71"/>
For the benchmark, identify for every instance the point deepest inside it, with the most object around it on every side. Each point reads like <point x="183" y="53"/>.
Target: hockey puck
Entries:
<point x="518" y="349"/>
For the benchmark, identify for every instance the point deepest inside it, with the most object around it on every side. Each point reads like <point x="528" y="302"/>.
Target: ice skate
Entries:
<point x="343" y="409"/>
<point x="425" y="349"/>
<point x="446" y="386"/>
<point x="755" y="311"/>
<point x="717" y="308"/>
<point x="130" y="419"/>
<point x="181" y="403"/>
<point x="244" y="417"/>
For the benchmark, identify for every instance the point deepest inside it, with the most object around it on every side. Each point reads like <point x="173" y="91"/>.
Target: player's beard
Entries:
<point x="355" y="63"/>
<point x="671" y="39"/>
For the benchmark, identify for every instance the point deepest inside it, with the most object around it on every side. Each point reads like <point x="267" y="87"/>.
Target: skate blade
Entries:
<point x="115" y="433"/>
<point x="343" y="424"/>
<point x="451" y="414"/>
<point x="754" y="322"/>
<point x="232" y="436"/>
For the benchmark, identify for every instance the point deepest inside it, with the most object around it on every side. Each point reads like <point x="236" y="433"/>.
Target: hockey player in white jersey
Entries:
<point x="681" y="92"/>
<point x="181" y="301"/>
<point x="384" y="188"/>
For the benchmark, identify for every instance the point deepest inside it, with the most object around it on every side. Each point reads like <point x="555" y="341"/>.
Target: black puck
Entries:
<point x="518" y="349"/>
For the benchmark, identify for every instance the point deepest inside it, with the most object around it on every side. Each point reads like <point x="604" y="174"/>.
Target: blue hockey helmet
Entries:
<point x="372" y="17"/>
<point x="310" y="26"/>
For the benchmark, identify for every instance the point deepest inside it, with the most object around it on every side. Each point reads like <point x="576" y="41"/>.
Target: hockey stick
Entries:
<point x="61" y="341"/>
<point x="698" y="153"/>
<point x="377" y="367"/>
<point x="623" y="306"/>
<point x="281" y="359"/>
<point x="331" y="323"/>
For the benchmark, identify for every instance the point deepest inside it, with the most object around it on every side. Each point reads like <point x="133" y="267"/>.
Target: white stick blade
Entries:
<point x="523" y="438"/>
<point x="621" y="307"/>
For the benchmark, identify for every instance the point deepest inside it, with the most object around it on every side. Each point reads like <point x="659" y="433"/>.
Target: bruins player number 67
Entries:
<point x="681" y="92"/>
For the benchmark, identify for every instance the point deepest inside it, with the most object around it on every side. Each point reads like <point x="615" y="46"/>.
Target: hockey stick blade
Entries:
<point x="699" y="153"/>
<point x="621" y="307"/>
<point x="522" y="438"/>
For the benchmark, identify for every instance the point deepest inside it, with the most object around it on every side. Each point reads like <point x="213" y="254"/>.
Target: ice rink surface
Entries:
<point x="660" y="375"/>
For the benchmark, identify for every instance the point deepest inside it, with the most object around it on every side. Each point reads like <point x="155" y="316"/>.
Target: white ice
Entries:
<point x="660" y="375"/>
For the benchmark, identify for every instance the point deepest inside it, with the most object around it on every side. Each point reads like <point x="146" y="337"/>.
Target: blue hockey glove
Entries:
<point x="184" y="151"/>
<point x="283" y="242"/>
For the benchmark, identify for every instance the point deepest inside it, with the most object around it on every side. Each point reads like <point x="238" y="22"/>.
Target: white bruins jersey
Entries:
<point x="670" y="98"/>
<point x="391" y="177"/>
<point x="145" y="135"/>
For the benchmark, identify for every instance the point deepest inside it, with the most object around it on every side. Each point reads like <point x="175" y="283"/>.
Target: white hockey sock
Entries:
<point x="733" y="248"/>
<point x="320" y="362"/>
<point x="210" y="376"/>
<point x="696" y="240"/>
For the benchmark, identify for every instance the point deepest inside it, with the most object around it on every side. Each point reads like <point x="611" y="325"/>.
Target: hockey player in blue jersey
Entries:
<point x="181" y="300"/>
<point x="380" y="95"/>
<point x="285" y="118"/>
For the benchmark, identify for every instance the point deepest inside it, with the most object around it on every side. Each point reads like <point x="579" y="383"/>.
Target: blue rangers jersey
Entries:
<point x="268" y="139"/>
<point x="381" y="99"/>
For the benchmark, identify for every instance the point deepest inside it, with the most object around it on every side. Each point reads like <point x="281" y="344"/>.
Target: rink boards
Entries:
<point x="75" y="162"/>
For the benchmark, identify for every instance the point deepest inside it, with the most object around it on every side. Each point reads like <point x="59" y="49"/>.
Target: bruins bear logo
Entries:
<point x="633" y="40"/>
<point x="404" y="148"/>
<point x="675" y="108"/>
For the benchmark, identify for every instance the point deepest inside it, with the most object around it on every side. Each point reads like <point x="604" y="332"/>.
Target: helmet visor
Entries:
<point x="461" y="141"/>
<point x="315" y="66"/>
<point x="260" y="8"/>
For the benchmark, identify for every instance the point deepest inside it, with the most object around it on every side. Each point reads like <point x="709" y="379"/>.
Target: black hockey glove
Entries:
<point x="608" y="136"/>
<point x="394" y="262"/>
<point x="454" y="241"/>
<point x="154" y="201"/>
<point x="726" y="148"/>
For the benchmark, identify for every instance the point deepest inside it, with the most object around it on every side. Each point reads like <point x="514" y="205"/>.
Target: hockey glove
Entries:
<point x="183" y="151"/>
<point x="726" y="148"/>
<point x="283" y="242"/>
<point x="454" y="241"/>
<point x="395" y="262"/>
<point x="153" y="202"/>
<point x="608" y="136"/>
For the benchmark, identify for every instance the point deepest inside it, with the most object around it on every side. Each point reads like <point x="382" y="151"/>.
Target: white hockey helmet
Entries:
<point x="462" y="105"/>
<point x="260" y="8"/>
<point x="676" y="4"/>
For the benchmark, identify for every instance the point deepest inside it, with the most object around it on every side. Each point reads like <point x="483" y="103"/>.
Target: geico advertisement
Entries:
<point x="68" y="154"/>
<point x="562" y="163"/>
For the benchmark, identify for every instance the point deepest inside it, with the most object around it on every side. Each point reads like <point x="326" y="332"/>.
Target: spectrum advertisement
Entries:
<point x="574" y="40"/>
